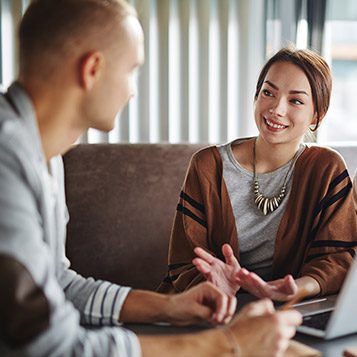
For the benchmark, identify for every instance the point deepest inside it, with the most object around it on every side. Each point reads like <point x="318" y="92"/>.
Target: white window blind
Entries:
<point x="10" y="15"/>
<point x="197" y="84"/>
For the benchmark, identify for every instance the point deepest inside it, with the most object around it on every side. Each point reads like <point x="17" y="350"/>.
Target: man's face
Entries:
<point x="118" y="82"/>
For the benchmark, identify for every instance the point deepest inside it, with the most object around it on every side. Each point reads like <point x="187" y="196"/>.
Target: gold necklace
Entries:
<point x="269" y="204"/>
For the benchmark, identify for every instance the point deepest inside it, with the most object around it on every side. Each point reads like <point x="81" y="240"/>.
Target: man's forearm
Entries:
<point x="203" y="302"/>
<point x="210" y="343"/>
<point x="146" y="307"/>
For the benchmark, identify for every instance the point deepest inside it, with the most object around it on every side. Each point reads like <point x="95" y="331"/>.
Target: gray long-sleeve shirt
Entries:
<point x="42" y="301"/>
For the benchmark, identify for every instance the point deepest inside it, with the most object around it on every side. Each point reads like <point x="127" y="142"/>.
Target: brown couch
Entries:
<point x="122" y="199"/>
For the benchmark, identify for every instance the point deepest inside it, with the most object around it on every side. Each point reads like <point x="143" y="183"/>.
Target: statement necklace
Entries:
<point x="269" y="204"/>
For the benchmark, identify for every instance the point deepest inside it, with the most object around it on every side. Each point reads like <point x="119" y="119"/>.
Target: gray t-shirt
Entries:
<point x="256" y="232"/>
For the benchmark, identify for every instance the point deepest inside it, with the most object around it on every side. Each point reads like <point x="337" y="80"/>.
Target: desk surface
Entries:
<point x="331" y="348"/>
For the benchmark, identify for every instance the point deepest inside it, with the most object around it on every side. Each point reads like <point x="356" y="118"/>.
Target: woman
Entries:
<point x="284" y="208"/>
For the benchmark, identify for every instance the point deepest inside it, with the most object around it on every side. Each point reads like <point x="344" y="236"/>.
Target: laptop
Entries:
<point x="335" y="315"/>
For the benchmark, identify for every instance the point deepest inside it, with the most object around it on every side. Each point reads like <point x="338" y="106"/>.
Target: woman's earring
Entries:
<point x="270" y="110"/>
<point x="312" y="127"/>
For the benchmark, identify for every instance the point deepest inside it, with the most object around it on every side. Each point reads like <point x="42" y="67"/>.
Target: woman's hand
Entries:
<point x="221" y="274"/>
<point x="280" y="290"/>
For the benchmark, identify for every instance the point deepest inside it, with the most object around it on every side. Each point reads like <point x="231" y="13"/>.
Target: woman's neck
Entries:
<point x="270" y="157"/>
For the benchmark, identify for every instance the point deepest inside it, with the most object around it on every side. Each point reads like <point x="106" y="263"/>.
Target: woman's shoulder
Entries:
<point x="323" y="153"/>
<point x="212" y="152"/>
<point x="322" y="156"/>
<point x="207" y="156"/>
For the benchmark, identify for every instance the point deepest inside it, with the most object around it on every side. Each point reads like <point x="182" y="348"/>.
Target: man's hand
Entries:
<point x="222" y="275"/>
<point x="260" y="331"/>
<point x="279" y="290"/>
<point x="204" y="302"/>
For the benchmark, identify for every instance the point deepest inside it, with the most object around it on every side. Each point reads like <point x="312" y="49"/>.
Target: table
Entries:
<point x="331" y="348"/>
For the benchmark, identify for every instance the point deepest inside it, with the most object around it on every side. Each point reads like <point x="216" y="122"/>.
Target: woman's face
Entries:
<point x="284" y="108"/>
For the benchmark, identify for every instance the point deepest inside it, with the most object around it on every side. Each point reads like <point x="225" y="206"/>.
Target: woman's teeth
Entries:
<point x="273" y="125"/>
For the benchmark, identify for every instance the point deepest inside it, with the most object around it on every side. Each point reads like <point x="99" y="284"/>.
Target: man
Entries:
<point x="77" y="61"/>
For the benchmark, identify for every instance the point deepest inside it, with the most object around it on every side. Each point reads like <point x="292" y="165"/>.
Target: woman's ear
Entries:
<point x="315" y="122"/>
<point x="90" y="69"/>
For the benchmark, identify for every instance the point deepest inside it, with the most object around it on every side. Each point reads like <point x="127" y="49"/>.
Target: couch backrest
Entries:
<point x="349" y="153"/>
<point x="122" y="199"/>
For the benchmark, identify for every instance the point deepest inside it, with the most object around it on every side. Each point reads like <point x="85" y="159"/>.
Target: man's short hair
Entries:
<point x="51" y="30"/>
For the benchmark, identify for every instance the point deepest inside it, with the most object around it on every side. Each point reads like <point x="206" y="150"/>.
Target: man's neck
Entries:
<point x="56" y="117"/>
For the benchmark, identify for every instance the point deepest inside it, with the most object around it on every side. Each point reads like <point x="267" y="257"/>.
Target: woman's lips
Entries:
<point x="274" y="125"/>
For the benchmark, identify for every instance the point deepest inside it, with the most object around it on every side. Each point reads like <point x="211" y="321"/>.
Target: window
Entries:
<point x="340" y="49"/>
<point x="202" y="62"/>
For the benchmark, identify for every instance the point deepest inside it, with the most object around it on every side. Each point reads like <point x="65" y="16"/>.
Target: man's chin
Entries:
<point x="105" y="128"/>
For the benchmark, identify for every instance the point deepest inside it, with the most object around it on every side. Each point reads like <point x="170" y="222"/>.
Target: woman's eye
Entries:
<point x="297" y="102"/>
<point x="266" y="93"/>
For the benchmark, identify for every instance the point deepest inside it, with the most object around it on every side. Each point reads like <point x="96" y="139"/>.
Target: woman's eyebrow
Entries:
<point x="294" y="91"/>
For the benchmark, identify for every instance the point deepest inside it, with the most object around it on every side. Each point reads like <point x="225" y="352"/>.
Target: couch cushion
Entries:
<point x="122" y="199"/>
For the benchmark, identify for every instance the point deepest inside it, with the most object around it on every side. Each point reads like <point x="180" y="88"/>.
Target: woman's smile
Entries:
<point x="274" y="125"/>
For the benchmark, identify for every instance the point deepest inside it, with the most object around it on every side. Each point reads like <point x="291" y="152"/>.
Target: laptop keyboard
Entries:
<point x="318" y="321"/>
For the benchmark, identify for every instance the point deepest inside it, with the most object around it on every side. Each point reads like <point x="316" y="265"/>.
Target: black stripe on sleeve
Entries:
<point x="314" y="256"/>
<point x="190" y="214"/>
<point x="113" y="305"/>
<point x="338" y="195"/>
<point x="102" y="305"/>
<point x="352" y="252"/>
<point x="327" y="201"/>
<point x="92" y="304"/>
<point x="192" y="202"/>
<point x="313" y="233"/>
<point x="337" y="180"/>
<point x="333" y="243"/>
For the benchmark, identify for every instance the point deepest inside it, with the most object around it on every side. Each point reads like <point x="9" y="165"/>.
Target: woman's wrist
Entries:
<point x="310" y="284"/>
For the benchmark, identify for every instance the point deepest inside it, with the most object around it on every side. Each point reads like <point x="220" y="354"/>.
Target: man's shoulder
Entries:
<point x="10" y="128"/>
<point x="16" y="154"/>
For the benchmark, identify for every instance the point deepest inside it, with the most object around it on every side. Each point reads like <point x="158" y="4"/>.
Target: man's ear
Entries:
<point x="90" y="69"/>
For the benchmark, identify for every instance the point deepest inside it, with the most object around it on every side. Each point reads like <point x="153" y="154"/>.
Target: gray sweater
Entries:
<point x="43" y="301"/>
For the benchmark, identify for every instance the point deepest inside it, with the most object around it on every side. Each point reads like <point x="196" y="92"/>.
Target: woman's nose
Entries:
<point x="279" y="108"/>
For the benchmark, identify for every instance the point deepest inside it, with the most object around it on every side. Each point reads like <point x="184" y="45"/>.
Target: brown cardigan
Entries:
<point x="317" y="235"/>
